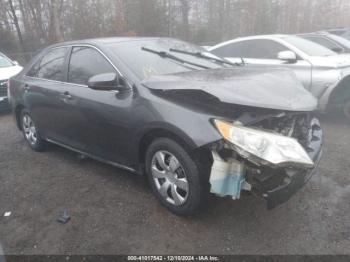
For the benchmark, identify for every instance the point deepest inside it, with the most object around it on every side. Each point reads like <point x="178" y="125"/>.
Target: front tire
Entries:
<point x="175" y="177"/>
<point x="30" y="132"/>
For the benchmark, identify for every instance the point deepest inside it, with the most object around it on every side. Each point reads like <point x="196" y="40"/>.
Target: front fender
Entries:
<point x="335" y="95"/>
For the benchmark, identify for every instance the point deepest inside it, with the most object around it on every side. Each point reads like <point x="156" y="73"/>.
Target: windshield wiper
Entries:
<point x="201" y="55"/>
<point x="175" y="58"/>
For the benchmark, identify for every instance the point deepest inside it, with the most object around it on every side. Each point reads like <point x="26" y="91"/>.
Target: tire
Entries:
<point x="346" y="110"/>
<point x="30" y="132"/>
<point x="177" y="180"/>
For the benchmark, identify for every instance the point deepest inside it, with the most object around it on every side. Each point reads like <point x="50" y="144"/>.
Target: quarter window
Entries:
<point x="51" y="66"/>
<point x="86" y="62"/>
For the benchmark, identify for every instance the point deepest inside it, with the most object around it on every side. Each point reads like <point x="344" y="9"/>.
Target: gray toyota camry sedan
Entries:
<point x="192" y="122"/>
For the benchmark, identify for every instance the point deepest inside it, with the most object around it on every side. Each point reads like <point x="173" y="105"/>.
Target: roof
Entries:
<point x="264" y="36"/>
<point x="107" y="40"/>
<point x="314" y="33"/>
<point x="248" y="38"/>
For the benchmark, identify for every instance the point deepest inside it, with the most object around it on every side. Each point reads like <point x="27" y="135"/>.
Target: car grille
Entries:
<point x="292" y="125"/>
<point x="3" y="87"/>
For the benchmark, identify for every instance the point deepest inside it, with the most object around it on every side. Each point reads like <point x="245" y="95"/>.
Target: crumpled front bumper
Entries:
<point x="292" y="184"/>
<point x="293" y="179"/>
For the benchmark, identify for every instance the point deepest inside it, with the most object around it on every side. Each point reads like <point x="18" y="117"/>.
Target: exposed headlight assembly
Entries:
<point x="273" y="148"/>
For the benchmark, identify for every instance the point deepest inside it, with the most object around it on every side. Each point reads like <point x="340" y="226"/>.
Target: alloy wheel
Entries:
<point x="170" y="178"/>
<point x="29" y="129"/>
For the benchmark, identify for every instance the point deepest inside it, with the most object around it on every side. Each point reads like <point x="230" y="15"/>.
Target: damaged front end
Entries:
<point x="280" y="154"/>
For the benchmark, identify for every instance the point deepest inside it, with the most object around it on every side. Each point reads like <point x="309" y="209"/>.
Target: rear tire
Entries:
<point x="30" y="132"/>
<point x="346" y="110"/>
<point x="176" y="179"/>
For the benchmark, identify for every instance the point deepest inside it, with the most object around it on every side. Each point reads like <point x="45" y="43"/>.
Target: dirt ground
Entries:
<point x="114" y="212"/>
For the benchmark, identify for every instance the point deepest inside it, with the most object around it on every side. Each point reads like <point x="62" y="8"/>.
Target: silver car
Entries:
<point x="323" y="72"/>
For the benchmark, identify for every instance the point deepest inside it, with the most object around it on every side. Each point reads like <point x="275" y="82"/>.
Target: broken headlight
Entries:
<point x="273" y="148"/>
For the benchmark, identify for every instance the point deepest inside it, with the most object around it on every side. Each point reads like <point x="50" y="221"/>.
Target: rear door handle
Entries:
<point x="67" y="95"/>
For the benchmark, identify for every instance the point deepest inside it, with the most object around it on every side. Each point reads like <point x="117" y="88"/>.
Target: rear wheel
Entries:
<point x="175" y="177"/>
<point x="346" y="109"/>
<point x="31" y="132"/>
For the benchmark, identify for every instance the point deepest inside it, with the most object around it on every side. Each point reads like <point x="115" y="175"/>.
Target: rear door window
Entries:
<point x="86" y="62"/>
<point x="51" y="66"/>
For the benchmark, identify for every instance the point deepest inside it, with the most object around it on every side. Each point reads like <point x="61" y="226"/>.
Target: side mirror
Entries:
<point x="16" y="63"/>
<point x="288" y="56"/>
<point x="106" y="82"/>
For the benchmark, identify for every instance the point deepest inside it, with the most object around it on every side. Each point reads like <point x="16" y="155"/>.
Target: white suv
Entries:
<point x="8" y="69"/>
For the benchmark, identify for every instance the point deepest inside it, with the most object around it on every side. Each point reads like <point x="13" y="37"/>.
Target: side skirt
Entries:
<point x="100" y="159"/>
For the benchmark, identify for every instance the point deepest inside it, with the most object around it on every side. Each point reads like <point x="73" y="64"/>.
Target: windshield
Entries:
<point x="340" y="40"/>
<point x="308" y="47"/>
<point x="346" y="35"/>
<point x="145" y="64"/>
<point x="5" y="62"/>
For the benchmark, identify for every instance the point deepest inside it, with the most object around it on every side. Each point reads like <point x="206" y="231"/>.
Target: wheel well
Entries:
<point x="341" y="93"/>
<point x="201" y="154"/>
<point x="18" y="111"/>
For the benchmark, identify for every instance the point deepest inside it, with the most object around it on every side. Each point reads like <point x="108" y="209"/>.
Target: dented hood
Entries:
<point x="257" y="87"/>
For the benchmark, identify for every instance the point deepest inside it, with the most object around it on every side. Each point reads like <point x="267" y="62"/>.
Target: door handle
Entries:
<point x="67" y="95"/>
<point x="26" y="88"/>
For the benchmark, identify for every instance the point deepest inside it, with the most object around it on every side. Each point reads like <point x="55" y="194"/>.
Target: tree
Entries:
<point x="55" y="33"/>
<point x="16" y="23"/>
<point x="185" y="9"/>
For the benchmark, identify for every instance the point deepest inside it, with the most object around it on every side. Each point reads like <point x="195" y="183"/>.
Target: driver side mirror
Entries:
<point x="107" y="82"/>
<point x="288" y="56"/>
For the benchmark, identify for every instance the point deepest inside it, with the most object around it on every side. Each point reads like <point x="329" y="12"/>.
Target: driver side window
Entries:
<point x="264" y="49"/>
<point x="86" y="62"/>
<point x="255" y="49"/>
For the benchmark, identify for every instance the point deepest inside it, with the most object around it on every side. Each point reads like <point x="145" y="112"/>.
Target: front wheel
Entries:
<point x="175" y="177"/>
<point x="31" y="132"/>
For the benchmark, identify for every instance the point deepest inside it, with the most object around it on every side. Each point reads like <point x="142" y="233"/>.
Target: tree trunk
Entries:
<point x="185" y="9"/>
<point x="55" y="29"/>
<point x="16" y="23"/>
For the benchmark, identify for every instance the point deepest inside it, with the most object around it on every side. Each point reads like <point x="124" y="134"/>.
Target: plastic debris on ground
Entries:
<point x="64" y="217"/>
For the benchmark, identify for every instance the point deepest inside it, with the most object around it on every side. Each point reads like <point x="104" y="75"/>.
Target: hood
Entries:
<point x="257" y="87"/>
<point x="8" y="72"/>
<point x="335" y="61"/>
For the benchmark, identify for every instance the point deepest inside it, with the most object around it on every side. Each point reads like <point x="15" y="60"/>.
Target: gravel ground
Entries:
<point x="114" y="212"/>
